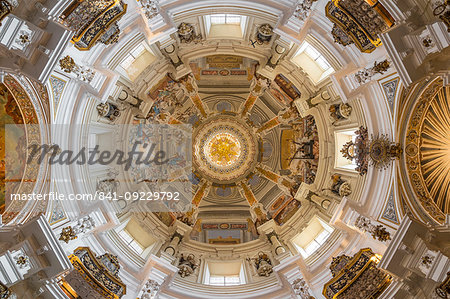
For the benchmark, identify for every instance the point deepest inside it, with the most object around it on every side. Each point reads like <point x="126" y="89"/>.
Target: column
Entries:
<point x="257" y="88"/>
<point x="191" y="89"/>
<point x="175" y="240"/>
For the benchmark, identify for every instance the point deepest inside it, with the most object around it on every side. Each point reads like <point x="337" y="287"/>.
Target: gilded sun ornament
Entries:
<point x="427" y="150"/>
<point x="223" y="149"/>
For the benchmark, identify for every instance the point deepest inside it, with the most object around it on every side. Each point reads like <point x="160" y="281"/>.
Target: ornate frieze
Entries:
<point x="358" y="21"/>
<point x="80" y="14"/>
<point x="340" y="37"/>
<point x="111" y="36"/>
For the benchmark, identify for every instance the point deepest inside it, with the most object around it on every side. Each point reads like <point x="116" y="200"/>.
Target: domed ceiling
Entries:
<point x="291" y="130"/>
<point x="251" y="150"/>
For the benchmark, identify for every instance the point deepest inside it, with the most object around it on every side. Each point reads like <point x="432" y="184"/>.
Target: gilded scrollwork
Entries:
<point x="424" y="156"/>
<point x="101" y="273"/>
<point x="357" y="21"/>
<point x="92" y="21"/>
<point x="356" y="275"/>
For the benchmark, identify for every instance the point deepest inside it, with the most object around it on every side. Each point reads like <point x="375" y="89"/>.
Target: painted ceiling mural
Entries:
<point x="241" y="146"/>
<point x="292" y="137"/>
<point x="13" y="150"/>
<point x="18" y="120"/>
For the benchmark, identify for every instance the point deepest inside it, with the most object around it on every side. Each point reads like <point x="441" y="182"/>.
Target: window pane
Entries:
<point x="125" y="236"/>
<point x="138" y="51"/>
<point x="322" y="237"/>
<point x="233" y="19"/>
<point x="136" y="247"/>
<point x="312" y="52"/>
<point x="323" y="63"/>
<point x="302" y="48"/>
<point x="232" y="280"/>
<point x="313" y="246"/>
<point x="217" y="280"/>
<point x="127" y="62"/>
<point x="218" y="19"/>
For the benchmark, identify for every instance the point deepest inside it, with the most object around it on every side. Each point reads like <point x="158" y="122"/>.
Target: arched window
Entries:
<point x="312" y="237"/>
<point x="136" y="237"/>
<point x="225" y="25"/>
<point x="312" y="62"/>
<point x="341" y="138"/>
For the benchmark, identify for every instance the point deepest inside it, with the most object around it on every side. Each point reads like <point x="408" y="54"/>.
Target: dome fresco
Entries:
<point x="236" y="149"/>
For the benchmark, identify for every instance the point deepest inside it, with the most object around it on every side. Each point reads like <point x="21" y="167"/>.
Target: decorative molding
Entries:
<point x="68" y="65"/>
<point x="390" y="211"/>
<point x="366" y="74"/>
<point x="378" y="232"/>
<point x="390" y="90"/>
<point x="57" y="214"/>
<point x="150" y="8"/>
<point x="57" y="86"/>
<point x="303" y="9"/>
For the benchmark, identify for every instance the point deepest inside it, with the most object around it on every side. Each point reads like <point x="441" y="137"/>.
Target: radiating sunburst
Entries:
<point x="435" y="149"/>
<point x="223" y="149"/>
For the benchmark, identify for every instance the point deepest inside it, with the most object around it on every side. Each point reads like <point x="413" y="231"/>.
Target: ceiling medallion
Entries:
<point x="225" y="149"/>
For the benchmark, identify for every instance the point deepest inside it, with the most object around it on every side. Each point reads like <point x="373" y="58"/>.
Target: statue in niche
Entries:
<point x="264" y="34"/>
<point x="340" y="111"/>
<point x="108" y="111"/>
<point x="187" y="265"/>
<point x="339" y="186"/>
<point x="263" y="264"/>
